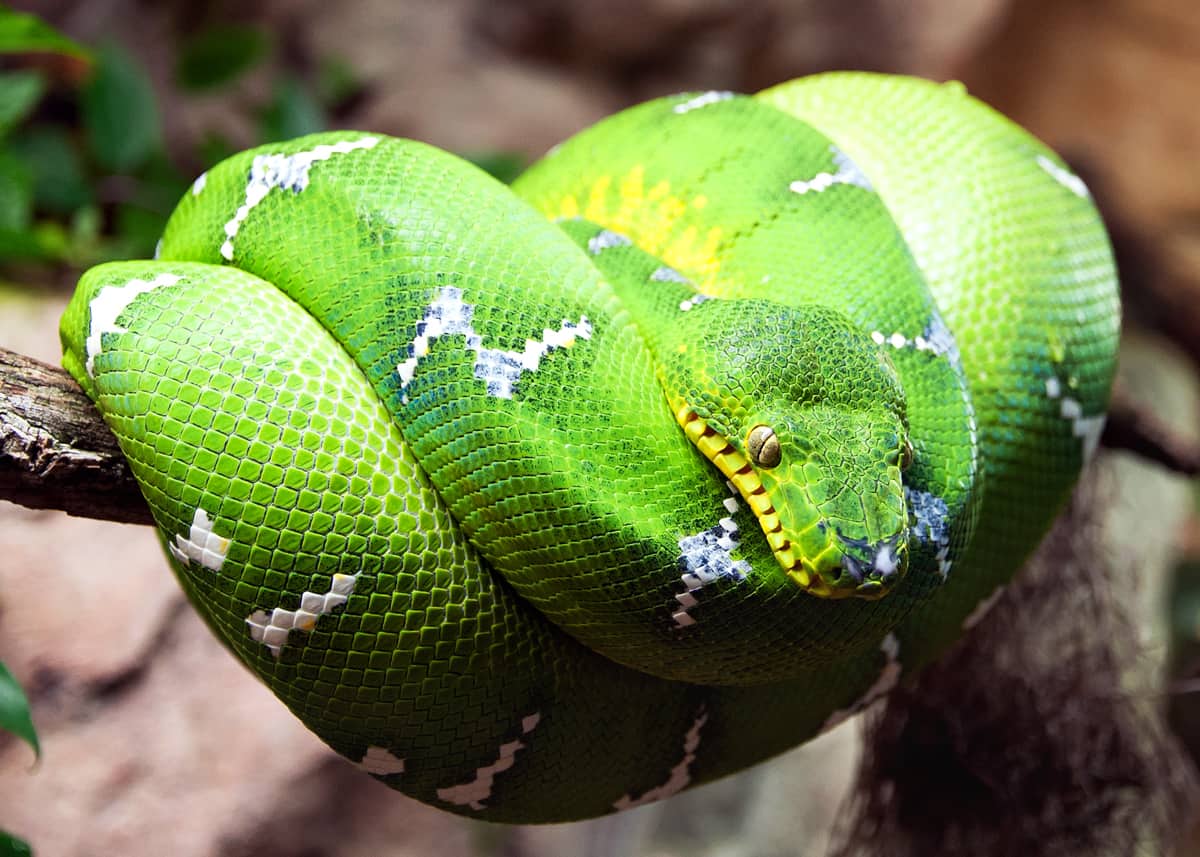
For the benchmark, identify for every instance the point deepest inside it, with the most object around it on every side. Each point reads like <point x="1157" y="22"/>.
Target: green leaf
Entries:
<point x="59" y="183"/>
<point x="19" y="92"/>
<point x="219" y="55"/>
<point x="293" y="113"/>
<point x="138" y="230"/>
<point x="22" y="33"/>
<point x="10" y="846"/>
<point x="16" y="192"/>
<point x="24" y="245"/>
<point x="504" y="166"/>
<point x="14" y="710"/>
<point x="120" y="112"/>
<point x="46" y="241"/>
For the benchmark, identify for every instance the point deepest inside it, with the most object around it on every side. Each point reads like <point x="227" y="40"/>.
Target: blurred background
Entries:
<point x="155" y="741"/>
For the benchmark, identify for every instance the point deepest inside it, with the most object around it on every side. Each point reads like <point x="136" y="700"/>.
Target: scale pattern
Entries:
<point x="461" y="470"/>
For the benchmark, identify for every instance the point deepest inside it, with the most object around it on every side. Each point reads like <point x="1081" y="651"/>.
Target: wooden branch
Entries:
<point x="56" y="452"/>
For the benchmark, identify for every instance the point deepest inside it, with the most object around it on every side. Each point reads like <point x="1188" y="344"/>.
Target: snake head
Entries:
<point x="806" y="418"/>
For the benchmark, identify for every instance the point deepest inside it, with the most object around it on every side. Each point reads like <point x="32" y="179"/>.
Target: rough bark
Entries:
<point x="55" y="451"/>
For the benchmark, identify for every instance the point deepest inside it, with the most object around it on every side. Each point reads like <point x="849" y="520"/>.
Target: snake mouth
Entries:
<point x="873" y="568"/>
<point x="741" y="475"/>
<point x="835" y="565"/>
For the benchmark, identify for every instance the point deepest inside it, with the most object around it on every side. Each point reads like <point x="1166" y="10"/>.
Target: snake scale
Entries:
<point x="542" y="502"/>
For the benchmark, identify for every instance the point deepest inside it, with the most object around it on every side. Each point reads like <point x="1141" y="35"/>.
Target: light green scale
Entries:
<point x="514" y="518"/>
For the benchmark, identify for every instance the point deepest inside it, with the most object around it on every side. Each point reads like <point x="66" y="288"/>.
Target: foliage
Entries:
<point x="219" y="55"/>
<point x="14" y="710"/>
<point x="15" y="718"/>
<point x="85" y="175"/>
<point x="21" y="33"/>
<point x="10" y="846"/>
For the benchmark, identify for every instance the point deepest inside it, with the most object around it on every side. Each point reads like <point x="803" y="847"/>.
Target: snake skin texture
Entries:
<point x="543" y="502"/>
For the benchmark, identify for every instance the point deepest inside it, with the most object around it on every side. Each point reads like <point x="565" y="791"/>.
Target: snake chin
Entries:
<point x="818" y="557"/>
<point x="872" y="569"/>
<point x="854" y="568"/>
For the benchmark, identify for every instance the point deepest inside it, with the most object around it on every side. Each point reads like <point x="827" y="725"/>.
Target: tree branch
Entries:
<point x="56" y="452"/>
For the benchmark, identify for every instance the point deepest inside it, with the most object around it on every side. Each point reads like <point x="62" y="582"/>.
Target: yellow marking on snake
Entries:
<point x="597" y="203"/>
<point x="655" y="216"/>
<point x="568" y="208"/>
<point x="741" y="475"/>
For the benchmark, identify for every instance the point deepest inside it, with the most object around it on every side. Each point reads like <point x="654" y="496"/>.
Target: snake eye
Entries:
<point x="763" y="446"/>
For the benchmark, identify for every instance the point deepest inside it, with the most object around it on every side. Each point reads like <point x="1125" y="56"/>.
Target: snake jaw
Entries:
<point x="826" y="564"/>
<point x="741" y="475"/>
<point x="877" y="566"/>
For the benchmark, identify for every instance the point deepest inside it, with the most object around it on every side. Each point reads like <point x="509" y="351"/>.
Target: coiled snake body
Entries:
<point x="543" y="502"/>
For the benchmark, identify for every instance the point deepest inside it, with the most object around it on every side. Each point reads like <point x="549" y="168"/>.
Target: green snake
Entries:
<point x="542" y="502"/>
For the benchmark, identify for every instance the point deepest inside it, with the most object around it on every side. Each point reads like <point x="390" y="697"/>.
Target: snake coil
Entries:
<point x="547" y="501"/>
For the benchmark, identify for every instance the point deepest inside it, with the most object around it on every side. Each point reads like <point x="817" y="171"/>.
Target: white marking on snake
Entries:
<point x="847" y="172"/>
<point x="272" y="629"/>
<point x="932" y="525"/>
<point x="108" y="304"/>
<point x="286" y="172"/>
<point x="1087" y="429"/>
<point x="936" y="339"/>
<point x="981" y="609"/>
<point x="449" y="315"/>
<point x="705" y="557"/>
<point x="201" y="545"/>
<point x="888" y="678"/>
<point x="702" y="100"/>
<point x="885" y="560"/>
<point x="381" y="762"/>
<point x="157" y="249"/>
<point x="680" y="775"/>
<point x="605" y="239"/>
<point x="198" y="184"/>
<point x="695" y="300"/>
<point x="475" y="792"/>
<point x="667" y="274"/>
<point x="1064" y="177"/>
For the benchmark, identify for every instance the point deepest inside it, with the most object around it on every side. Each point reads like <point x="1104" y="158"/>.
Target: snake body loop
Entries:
<point x="547" y="501"/>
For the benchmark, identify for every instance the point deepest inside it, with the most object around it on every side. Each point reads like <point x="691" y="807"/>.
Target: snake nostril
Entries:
<point x="853" y="567"/>
<point x="871" y="563"/>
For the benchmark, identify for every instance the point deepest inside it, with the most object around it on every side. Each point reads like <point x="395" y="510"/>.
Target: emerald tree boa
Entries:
<point x="542" y="502"/>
